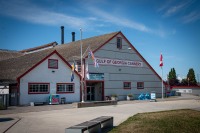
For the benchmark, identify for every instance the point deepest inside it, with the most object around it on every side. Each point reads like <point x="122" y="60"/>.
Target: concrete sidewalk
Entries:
<point x="57" y="120"/>
<point x="26" y="109"/>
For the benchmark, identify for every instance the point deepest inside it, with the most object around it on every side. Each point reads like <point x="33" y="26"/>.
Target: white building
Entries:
<point x="122" y="70"/>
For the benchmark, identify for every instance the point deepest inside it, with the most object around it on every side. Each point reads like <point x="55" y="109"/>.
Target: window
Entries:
<point x="38" y="88"/>
<point x="78" y="66"/>
<point x="119" y="42"/>
<point x="140" y="85"/>
<point x="127" y="85"/>
<point x="53" y="63"/>
<point x="65" y="88"/>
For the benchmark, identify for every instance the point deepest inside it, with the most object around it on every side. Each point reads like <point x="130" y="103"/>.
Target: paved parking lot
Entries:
<point x="56" y="118"/>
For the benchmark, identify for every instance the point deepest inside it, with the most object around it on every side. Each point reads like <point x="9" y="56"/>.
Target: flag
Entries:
<point x="161" y="60"/>
<point x="90" y="54"/>
<point x="72" y="73"/>
<point x="87" y="73"/>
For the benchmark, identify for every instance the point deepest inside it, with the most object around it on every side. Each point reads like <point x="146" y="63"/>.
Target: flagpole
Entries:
<point x="82" y="69"/>
<point x="162" y="82"/>
<point x="161" y="65"/>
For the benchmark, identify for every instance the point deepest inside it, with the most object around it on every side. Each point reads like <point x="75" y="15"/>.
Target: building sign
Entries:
<point x="4" y="91"/>
<point x="153" y="96"/>
<point x="116" y="62"/>
<point x="96" y="76"/>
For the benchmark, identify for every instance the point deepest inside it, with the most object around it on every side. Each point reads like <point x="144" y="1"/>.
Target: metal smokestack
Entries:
<point x="62" y="34"/>
<point x="73" y="36"/>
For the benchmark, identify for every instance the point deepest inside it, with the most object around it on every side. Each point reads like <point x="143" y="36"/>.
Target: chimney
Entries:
<point x="73" y="36"/>
<point x="62" y="34"/>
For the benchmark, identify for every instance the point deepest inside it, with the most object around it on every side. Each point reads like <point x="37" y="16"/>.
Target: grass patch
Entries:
<point x="175" y="121"/>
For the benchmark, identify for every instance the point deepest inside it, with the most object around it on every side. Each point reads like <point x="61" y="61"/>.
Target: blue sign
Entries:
<point x="96" y="76"/>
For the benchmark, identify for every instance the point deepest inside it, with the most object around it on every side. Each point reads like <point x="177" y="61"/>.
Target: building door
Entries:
<point x="90" y="93"/>
<point x="13" y="95"/>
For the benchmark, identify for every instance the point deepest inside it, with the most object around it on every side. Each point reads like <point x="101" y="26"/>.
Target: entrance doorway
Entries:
<point x="13" y="97"/>
<point x="95" y="90"/>
<point x="90" y="93"/>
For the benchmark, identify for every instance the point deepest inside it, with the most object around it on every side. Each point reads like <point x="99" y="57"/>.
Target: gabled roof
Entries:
<point x="54" y="52"/>
<point x="7" y="54"/>
<point x="42" y="47"/>
<point x="13" y="68"/>
<point x="72" y="50"/>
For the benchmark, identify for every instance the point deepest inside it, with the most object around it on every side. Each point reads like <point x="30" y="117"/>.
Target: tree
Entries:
<point x="191" y="78"/>
<point x="172" y="77"/>
<point x="184" y="82"/>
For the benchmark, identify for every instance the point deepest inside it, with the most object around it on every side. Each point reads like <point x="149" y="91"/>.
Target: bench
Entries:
<point x="97" y="125"/>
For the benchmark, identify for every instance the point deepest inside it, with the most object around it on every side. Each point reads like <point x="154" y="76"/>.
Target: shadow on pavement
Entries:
<point x="6" y="119"/>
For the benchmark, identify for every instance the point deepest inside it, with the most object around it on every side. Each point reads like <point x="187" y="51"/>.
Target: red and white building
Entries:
<point x="122" y="70"/>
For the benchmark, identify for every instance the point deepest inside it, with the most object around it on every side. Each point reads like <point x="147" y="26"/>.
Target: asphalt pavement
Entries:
<point x="55" y="118"/>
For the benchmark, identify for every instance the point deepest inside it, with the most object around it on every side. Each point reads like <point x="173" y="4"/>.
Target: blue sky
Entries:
<point x="168" y="26"/>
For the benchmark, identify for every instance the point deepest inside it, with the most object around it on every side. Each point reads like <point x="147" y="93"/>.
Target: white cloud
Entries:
<point x="171" y="8"/>
<point x="24" y="10"/>
<point x="118" y="20"/>
<point x="31" y="13"/>
<point x="191" y="17"/>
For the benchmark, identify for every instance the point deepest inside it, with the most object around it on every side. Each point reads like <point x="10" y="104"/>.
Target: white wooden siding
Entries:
<point x="42" y="74"/>
<point x="114" y="76"/>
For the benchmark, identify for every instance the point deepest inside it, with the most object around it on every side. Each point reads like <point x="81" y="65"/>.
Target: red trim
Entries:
<point x="136" y="81"/>
<point x="142" y="57"/>
<point x="54" y="52"/>
<point x="128" y="87"/>
<point x="140" y="83"/>
<point x="49" y="60"/>
<point x="65" y="92"/>
<point x="185" y="87"/>
<point x="134" y="88"/>
<point x="120" y="42"/>
<point x="95" y="81"/>
<point x="104" y="43"/>
<point x="133" y="49"/>
<point x="38" y="92"/>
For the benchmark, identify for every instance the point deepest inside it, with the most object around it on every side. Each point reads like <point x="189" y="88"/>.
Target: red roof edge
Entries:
<point x="183" y="87"/>
<point x="54" y="52"/>
<point x="133" y="49"/>
<point x="106" y="42"/>
<point x="142" y="58"/>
